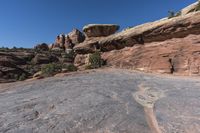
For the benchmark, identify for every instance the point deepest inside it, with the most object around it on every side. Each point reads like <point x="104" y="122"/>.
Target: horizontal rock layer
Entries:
<point x="161" y="30"/>
<point x="178" y="56"/>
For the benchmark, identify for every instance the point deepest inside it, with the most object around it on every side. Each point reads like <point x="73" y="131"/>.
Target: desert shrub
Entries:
<point x="71" y="54"/>
<point x="16" y="76"/>
<point x="89" y="67"/>
<point x="70" y="67"/>
<point x="198" y="7"/>
<point x="22" y="77"/>
<point x="171" y="14"/>
<point x="95" y="61"/>
<point x="51" y="69"/>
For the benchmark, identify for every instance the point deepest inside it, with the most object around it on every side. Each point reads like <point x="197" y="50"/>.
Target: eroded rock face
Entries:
<point x="9" y="69"/>
<point x="99" y="30"/>
<point x="44" y="59"/>
<point x="76" y="36"/>
<point x="174" y="56"/>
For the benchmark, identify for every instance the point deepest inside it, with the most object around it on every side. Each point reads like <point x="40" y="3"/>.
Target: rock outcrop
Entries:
<point x="174" y="56"/>
<point x="164" y="46"/>
<point x="68" y="41"/>
<point x="162" y="30"/>
<point x="76" y="36"/>
<point x="9" y="67"/>
<point x="191" y="8"/>
<point x="100" y="30"/>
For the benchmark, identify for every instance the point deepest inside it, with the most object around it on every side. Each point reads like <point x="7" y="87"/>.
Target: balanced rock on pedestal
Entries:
<point x="100" y="30"/>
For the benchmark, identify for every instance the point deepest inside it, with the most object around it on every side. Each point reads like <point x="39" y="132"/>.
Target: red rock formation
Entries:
<point x="100" y="30"/>
<point x="166" y="46"/>
<point x="68" y="41"/>
<point x="178" y="56"/>
<point x="161" y="30"/>
<point x="76" y="36"/>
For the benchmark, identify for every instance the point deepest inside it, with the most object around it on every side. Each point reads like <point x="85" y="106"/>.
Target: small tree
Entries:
<point x="198" y="6"/>
<point x="171" y="14"/>
<point x="95" y="61"/>
<point x="70" y="67"/>
<point x="22" y="77"/>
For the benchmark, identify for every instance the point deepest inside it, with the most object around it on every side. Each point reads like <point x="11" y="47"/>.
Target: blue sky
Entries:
<point x="24" y="23"/>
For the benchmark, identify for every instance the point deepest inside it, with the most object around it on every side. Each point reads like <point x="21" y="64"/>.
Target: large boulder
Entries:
<point x="44" y="59"/>
<point x="99" y="30"/>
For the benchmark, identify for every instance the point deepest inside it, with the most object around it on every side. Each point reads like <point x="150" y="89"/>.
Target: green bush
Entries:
<point x="198" y="7"/>
<point x="95" y="61"/>
<point x="171" y="14"/>
<point x="51" y="69"/>
<point x="70" y="67"/>
<point x="89" y="67"/>
<point x="22" y="77"/>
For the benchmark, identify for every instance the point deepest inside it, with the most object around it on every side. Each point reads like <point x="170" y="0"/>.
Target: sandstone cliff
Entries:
<point x="165" y="46"/>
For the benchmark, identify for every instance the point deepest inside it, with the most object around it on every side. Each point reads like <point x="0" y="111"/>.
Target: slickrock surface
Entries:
<point x="101" y="101"/>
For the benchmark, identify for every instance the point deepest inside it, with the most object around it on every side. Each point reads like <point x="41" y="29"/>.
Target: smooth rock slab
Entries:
<point x="100" y="101"/>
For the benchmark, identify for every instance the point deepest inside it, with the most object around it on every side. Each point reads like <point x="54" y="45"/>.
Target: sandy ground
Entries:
<point x="102" y="101"/>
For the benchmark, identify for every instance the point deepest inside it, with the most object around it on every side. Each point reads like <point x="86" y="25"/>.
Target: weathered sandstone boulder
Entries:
<point x="99" y="30"/>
